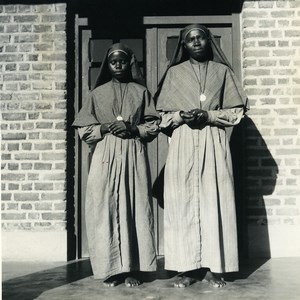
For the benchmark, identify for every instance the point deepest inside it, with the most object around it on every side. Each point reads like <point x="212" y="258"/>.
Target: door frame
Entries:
<point x="82" y="35"/>
<point x="153" y="24"/>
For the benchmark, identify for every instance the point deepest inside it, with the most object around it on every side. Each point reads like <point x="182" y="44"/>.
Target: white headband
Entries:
<point x="117" y="50"/>
<point x="196" y="28"/>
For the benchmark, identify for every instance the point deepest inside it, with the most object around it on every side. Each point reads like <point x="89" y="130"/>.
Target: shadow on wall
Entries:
<point x="260" y="181"/>
<point x="255" y="175"/>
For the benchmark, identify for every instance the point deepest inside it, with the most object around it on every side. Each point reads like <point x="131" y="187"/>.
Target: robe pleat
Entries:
<point x="118" y="207"/>
<point x="199" y="203"/>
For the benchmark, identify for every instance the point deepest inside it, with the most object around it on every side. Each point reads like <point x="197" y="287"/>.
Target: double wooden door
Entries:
<point x="154" y="52"/>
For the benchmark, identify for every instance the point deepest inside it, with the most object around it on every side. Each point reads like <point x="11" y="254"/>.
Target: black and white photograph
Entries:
<point x="150" y="149"/>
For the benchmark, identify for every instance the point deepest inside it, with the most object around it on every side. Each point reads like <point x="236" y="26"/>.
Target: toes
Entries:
<point x="184" y="282"/>
<point x="131" y="282"/>
<point x="111" y="283"/>
<point x="218" y="283"/>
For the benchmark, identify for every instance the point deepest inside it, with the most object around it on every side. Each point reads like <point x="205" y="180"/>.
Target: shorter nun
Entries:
<point x="198" y="97"/>
<point x="116" y="121"/>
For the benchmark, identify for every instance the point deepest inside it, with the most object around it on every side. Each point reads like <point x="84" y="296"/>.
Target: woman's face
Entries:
<point x="196" y="43"/>
<point x="118" y="64"/>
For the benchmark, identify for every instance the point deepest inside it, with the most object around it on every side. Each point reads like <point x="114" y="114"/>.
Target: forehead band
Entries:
<point x="117" y="50"/>
<point x="196" y="28"/>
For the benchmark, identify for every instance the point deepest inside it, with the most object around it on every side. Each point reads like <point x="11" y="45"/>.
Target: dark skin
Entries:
<point x="197" y="45"/>
<point x="119" y="66"/>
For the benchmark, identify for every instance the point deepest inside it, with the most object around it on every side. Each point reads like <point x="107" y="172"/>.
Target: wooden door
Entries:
<point x="154" y="53"/>
<point x="161" y="39"/>
<point x="90" y="50"/>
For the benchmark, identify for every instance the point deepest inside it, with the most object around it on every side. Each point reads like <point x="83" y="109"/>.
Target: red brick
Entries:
<point x="24" y="8"/>
<point x="27" y="156"/>
<point x="53" y="196"/>
<point x="42" y="8"/>
<point x="44" y="125"/>
<point x="14" y="116"/>
<point x="42" y="28"/>
<point x="26" y="28"/>
<point x="28" y="126"/>
<point x="250" y="33"/>
<point x="290" y="201"/>
<point x="43" y="186"/>
<point x="53" y="216"/>
<point x="54" y="176"/>
<point x="26" y="206"/>
<point x="27" y="38"/>
<point x="13" y="177"/>
<point x="13" y="147"/>
<point x="26" y="187"/>
<point x="287" y="151"/>
<point x="287" y="211"/>
<point x="282" y="13"/>
<point x="33" y="216"/>
<point x="43" y="206"/>
<point x="26" y="146"/>
<point x="12" y="206"/>
<point x="26" y="196"/>
<point x="13" y="216"/>
<point x="26" y="166"/>
<point x="43" y="146"/>
<point x="286" y="131"/>
<point x="295" y="172"/>
<point x="42" y="224"/>
<point x="53" y="18"/>
<point x="42" y="166"/>
<point x="6" y="196"/>
<point x="286" y="111"/>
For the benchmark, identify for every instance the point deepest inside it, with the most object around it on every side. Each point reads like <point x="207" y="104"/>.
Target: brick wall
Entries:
<point x="33" y="110"/>
<point x="271" y="76"/>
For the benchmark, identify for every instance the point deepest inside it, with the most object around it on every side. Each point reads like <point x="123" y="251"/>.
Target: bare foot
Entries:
<point x="183" y="281"/>
<point x="112" y="281"/>
<point x="213" y="280"/>
<point x="130" y="282"/>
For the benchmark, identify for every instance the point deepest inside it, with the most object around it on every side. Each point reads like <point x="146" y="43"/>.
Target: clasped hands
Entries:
<point x="121" y="129"/>
<point x="194" y="117"/>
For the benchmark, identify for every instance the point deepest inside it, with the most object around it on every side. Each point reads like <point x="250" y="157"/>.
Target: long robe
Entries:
<point x="199" y="204"/>
<point x="119" y="219"/>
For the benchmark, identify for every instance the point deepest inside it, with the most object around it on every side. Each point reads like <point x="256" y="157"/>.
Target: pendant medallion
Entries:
<point x="202" y="97"/>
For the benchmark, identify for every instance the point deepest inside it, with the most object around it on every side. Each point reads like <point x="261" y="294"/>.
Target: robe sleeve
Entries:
<point x="225" y="117"/>
<point x="90" y="134"/>
<point x="86" y="115"/>
<point x="233" y="95"/>
<point x="170" y="121"/>
<point x="149" y="129"/>
<point x="166" y="100"/>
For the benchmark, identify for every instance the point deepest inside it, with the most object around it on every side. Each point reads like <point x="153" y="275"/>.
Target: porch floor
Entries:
<point x="276" y="278"/>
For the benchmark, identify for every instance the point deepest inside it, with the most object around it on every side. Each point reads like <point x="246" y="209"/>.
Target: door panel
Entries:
<point x="90" y="55"/>
<point x="167" y="41"/>
<point x="161" y="40"/>
<point x="161" y="43"/>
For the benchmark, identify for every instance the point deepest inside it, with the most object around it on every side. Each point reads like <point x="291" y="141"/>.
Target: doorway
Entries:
<point x="154" y="50"/>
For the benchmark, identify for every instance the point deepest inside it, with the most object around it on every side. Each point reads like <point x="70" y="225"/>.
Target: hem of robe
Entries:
<point x="214" y="269"/>
<point x="125" y="270"/>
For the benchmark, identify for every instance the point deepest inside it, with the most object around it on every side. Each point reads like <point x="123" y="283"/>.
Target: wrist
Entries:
<point x="104" y="129"/>
<point x="134" y="130"/>
<point x="178" y="117"/>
